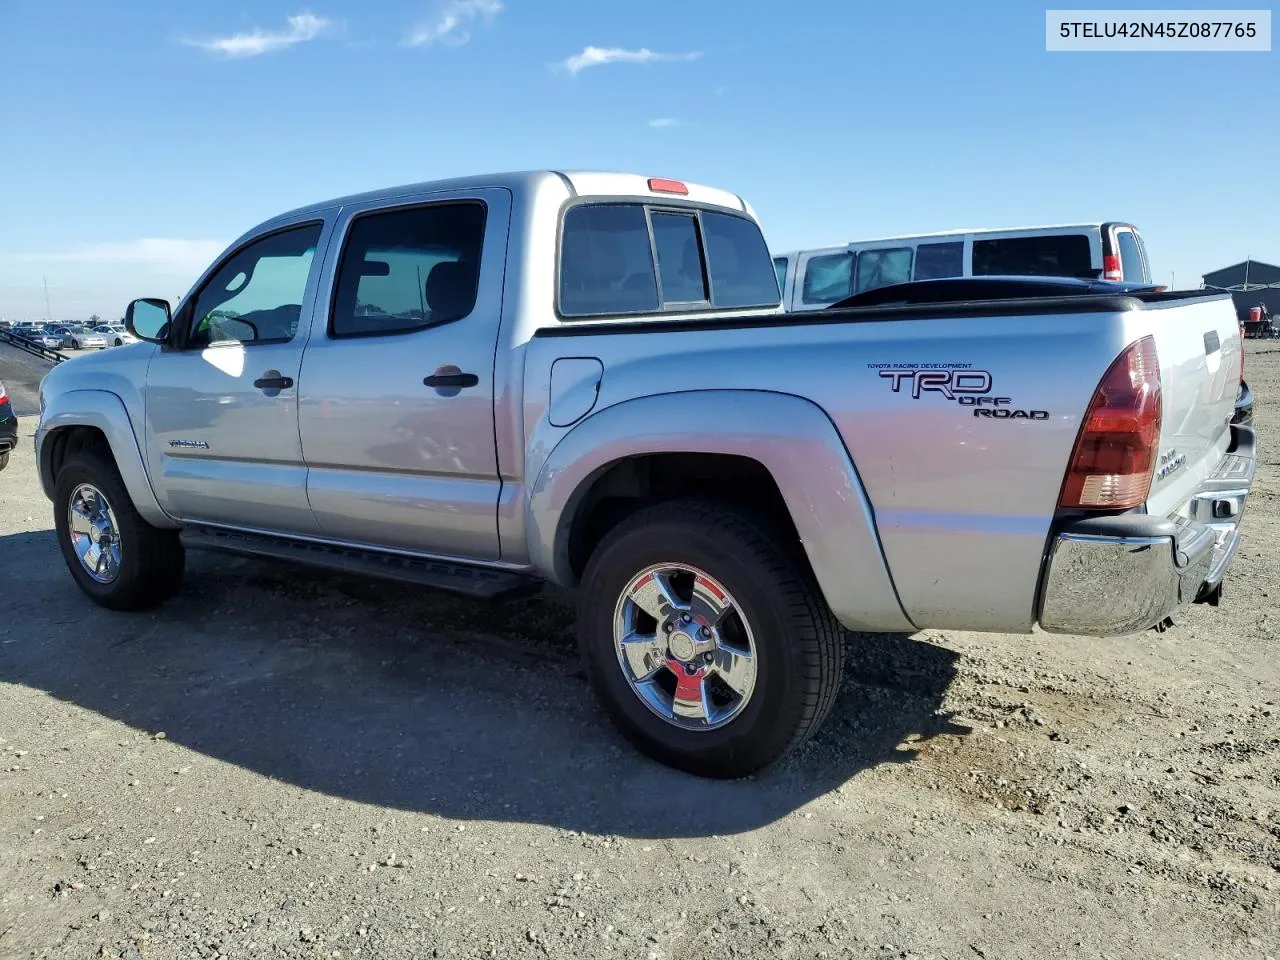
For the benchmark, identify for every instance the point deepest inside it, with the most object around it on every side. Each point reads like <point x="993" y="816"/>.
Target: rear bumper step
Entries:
<point x="480" y="583"/>
<point x="1116" y="575"/>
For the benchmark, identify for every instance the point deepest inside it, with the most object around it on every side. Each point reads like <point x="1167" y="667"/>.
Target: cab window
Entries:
<point x="406" y="269"/>
<point x="256" y="295"/>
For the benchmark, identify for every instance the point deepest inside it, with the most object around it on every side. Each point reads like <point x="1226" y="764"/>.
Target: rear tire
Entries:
<point x="148" y="562"/>
<point x="798" y="646"/>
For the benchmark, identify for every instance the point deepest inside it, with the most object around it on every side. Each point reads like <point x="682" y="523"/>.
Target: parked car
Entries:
<point x="813" y="279"/>
<point x="586" y="378"/>
<point x="50" y="339"/>
<point x="55" y="330"/>
<point x="8" y="427"/>
<point x="82" y="338"/>
<point x="116" y="334"/>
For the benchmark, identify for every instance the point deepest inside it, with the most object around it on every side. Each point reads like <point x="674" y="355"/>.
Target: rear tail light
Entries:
<point x="3" y="396"/>
<point x="1242" y="353"/>
<point x="1111" y="267"/>
<point x="1116" y="451"/>
<point x="661" y="185"/>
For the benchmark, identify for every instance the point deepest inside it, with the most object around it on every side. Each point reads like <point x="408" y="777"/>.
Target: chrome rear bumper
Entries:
<point x="1115" y="575"/>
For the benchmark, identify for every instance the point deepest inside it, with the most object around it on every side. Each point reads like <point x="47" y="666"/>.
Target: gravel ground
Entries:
<point x="281" y="763"/>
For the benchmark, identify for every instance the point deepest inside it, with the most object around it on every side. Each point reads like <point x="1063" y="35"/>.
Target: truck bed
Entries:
<point x="963" y="490"/>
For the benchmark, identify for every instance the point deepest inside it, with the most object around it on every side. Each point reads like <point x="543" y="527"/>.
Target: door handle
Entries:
<point x="451" y="380"/>
<point x="273" y="383"/>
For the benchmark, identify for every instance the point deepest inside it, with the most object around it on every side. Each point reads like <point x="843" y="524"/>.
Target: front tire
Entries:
<point x="706" y="640"/>
<point x="118" y="559"/>
<point x="4" y="459"/>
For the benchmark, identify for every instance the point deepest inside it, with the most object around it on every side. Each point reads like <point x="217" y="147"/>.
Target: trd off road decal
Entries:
<point x="958" y="382"/>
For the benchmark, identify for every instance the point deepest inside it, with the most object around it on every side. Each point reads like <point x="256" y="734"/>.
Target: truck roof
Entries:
<point x="578" y="182"/>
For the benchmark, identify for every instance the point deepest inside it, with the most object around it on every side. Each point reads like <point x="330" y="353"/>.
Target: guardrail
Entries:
<point x="31" y="347"/>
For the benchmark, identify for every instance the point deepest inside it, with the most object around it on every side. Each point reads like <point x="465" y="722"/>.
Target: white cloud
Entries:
<point x="451" y="21"/>
<point x="664" y="123"/>
<point x="301" y="28"/>
<point x="600" y="56"/>
<point x="159" y="253"/>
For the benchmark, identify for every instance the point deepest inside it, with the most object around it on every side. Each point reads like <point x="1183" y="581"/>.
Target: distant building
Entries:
<point x="1250" y="283"/>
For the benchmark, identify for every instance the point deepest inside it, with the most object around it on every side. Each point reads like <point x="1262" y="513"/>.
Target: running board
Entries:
<point x="479" y="583"/>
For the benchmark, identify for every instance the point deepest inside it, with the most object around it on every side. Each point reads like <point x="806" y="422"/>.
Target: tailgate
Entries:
<point x="1199" y="347"/>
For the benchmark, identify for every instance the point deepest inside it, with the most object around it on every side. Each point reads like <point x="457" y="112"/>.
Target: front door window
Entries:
<point x="256" y="295"/>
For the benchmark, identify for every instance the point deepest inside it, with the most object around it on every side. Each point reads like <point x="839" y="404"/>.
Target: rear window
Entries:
<point x="934" y="261"/>
<point x="705" y="260"/>
<point x="828" y="278"/>
<point x="1130" y="256"/>
<point x="679" y="263"/>
<point x="740" y="268"/>
<point x="1064" y="255"/>
<point x="879" y="268"/>
<point x="606" y="263"/>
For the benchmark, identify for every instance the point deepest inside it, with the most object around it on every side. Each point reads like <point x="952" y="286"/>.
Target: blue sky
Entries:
<point x="140" y="137"/>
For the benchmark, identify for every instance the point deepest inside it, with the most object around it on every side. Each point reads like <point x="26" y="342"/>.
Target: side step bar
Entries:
<point x="480" y="583"/>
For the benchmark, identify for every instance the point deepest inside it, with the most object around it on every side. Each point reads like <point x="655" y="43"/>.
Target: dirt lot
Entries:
<point x="281" y="763"/>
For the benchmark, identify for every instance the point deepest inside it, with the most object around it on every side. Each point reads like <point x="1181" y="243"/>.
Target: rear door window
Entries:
<point x="828" y="278"/>
<point x="1061" y="255"/>
<point x="403" y="270"/>
<point x="705" y="259"/>
<point x="1130" y="256"/>
<point x="879" y="268"/>
<point x="934" y="261"/>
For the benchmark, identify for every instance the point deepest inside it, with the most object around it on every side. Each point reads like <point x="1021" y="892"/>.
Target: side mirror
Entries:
<point x="148" y="319"/>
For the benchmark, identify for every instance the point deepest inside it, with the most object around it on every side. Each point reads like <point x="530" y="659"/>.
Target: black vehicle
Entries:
<point x="8" y="428"/>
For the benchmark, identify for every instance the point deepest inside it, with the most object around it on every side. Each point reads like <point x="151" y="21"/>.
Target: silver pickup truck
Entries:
<point x="586" y="378"/>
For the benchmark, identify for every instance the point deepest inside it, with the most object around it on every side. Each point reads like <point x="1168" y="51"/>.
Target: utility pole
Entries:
<point x="1173" y="279"/>
<point x="48" y="314"/>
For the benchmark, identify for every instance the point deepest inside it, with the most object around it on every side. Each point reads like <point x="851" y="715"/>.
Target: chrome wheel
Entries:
<point x="684" y="646"/>
<point x="95" y="537"/>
